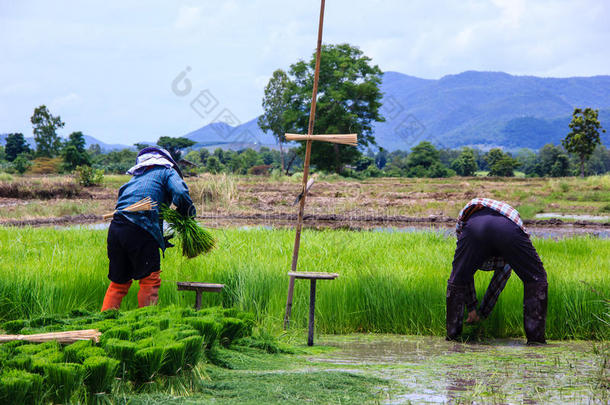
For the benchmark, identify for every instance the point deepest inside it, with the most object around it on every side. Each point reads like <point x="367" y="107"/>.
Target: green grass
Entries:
<point x="389" y="282"/>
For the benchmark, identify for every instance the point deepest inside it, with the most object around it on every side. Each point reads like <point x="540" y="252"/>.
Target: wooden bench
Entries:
<point x="199" y="288"/>
<point x="312" y="277"/>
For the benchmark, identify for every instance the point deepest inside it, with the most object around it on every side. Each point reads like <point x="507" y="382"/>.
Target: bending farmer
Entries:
<point x="134" y="238"/>
<point x="491" y="234"/>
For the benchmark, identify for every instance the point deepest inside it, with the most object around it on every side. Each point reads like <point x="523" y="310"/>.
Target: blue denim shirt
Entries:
<point x="162" y="185"/>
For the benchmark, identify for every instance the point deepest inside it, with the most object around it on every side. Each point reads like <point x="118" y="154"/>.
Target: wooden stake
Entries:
<point x="312" y="119"/>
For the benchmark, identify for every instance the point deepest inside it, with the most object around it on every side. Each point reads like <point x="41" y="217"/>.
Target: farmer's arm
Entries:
<point x="180" y="194"/>
<point x="496" y="286"/>
<point x="471" y="302"/>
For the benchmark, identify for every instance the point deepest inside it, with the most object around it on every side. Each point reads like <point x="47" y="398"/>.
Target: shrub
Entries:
<point x="20" y="387"/>
<point x="45" y="165"/>
<point x="88" y="176"/>
<point x="21" y="164"/>
<point x="64" y="379"/>
<point x="100" y="373"/>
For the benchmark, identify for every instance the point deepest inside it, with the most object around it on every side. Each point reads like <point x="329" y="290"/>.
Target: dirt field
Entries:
<point x="332" y="202"/>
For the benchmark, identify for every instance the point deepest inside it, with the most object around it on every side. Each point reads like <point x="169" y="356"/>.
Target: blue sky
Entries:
<point x="107" y="67"/>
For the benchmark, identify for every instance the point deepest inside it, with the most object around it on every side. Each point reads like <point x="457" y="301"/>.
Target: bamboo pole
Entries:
<point x="312" y="119"/>
<point x="61" y="337"/>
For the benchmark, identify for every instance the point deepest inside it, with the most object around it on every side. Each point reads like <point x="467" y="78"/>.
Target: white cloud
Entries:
<point x="188" y="17"/>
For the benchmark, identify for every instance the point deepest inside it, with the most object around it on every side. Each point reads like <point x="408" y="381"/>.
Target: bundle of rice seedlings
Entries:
<point x="174" y="358"/>
<point x="100" y="373"/>
<point x="71" y="351"/>
<point x="233" y="328"/>
<point x="194" y="239"/>
<point x="145" y="332"/>
<point x="121" y="350"/>
<point x="20" y="387"/>
<point x="20" y="361"/>
<point x="147" y="363"/>
<point x="193" y="349"/>
<point x="14" y="327"/>
<point x="64" y="379"/>
<point x="118" y="332"/>
<point x="207" y="326"/>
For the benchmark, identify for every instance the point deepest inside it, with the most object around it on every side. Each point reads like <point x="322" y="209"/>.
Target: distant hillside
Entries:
<point x="89" y="140"/>
<point x="483" y="109"/>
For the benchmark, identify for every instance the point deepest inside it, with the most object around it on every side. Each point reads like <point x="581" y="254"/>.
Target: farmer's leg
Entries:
<point x="519" y="252"/>
<point x="147" y="262"/>
<point x="119" y="270"/>
<point x="471" y="251"/>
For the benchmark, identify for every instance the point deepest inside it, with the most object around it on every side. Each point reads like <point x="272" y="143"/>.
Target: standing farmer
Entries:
<point x="490" y="234"/>
<point x="134" y="238"/>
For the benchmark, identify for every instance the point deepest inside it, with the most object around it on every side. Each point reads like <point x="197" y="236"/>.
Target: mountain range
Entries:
<point x="480" y="109"/>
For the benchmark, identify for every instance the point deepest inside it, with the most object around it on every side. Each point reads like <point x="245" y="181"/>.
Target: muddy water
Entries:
<point x="430" y="370"/>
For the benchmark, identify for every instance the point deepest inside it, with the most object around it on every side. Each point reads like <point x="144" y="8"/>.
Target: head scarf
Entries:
<point x="153" y="156"/>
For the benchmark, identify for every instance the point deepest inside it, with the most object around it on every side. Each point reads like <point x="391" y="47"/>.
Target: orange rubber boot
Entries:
<point x="149" y="289"/>
<point x="114" y="295"/>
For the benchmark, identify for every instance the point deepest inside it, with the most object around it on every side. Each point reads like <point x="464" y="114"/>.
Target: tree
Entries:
<point x="45" y="125"/>
<point x="21" y="164"/>
<point x="174" y="145"/>
<point x="423" y="154"/>
<point x="465" y="164"/>
<point x="213" y="165"/>
<point x="584" y="136"/>
<point x="15" y="145"/>
<point x="275" y="103"/>
<point x="139" y="146"/>
<point x="500" y="163"/>
<point x="348" y="101"/>
<point x="74" y="153"/>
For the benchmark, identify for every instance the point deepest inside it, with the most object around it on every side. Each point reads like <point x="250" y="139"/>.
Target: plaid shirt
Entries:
<point x="498" y="265"/>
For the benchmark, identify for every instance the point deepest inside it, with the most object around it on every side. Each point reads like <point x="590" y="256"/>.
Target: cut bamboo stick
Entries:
<point x="345" y="139"/>
<point x="62" y="337"/>
<point x="145" y="204"/>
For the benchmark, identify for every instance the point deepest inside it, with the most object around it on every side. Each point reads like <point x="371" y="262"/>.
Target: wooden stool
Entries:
<point x="313" y="277"/>
<point x="199" y="288"/>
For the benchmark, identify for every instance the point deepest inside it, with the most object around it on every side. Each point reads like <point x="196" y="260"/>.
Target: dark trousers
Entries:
<point x="488" y="233"/>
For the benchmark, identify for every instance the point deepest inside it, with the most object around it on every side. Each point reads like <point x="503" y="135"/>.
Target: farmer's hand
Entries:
<point x="473" y="317"/>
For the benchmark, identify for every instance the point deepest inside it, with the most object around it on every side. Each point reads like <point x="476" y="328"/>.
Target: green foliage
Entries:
<point x="465" y="164"/>
<point x="584" y="135"/>
<point x="174" y="357"/>
<point x="74" y="153"/>
<point x="175" y="145"/>
<point x="20" y="387"/>
<point x="88" y="176"/>
<point x="121" y="350"/>
<point x="100" y="373"/>
<point x="46" y="125"/>
<point x="233" y="328"/>
<point x="194" y="239"/>
<point x="21" y="164"/>
<point x="15" y="146"/>
<point x="207" y="326"/>
<point x="500" y="163"/>
<point x="348" y="102"/>
<point x="276" y="102"/>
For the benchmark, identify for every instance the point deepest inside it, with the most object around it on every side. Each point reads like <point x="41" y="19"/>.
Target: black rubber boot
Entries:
<point x="535" y="299"/>
<point x="455" y="310"/>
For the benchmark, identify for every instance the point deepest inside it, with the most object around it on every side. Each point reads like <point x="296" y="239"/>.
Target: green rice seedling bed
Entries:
<point x="135" y="347"/>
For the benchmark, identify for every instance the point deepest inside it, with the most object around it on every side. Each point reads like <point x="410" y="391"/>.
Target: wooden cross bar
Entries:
<point x="345" y="139"/>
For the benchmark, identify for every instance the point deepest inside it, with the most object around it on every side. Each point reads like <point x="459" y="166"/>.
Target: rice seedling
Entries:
<point x="147" y="363"/>
<point x="174" y="358"/>
<point x="20" y="387"/>
<point x="100" y="373"/>
<point x="194" y="239"/>
<point x="391" y="282"/>
<point x="64" y="379"/>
